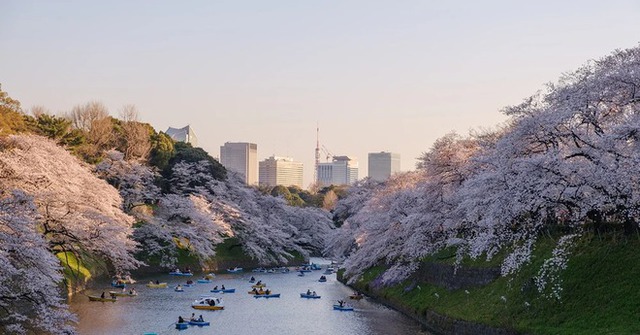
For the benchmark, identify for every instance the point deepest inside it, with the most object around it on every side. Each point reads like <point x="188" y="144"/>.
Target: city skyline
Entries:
<point x="375" y="76"/>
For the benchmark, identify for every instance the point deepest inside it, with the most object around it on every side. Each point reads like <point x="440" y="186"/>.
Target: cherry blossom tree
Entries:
<point x="30" y="273"/>
<point x="566" y="163"/>
<point x="135" y="182"/>
<point x="266" y="226"/>
<point x="79" y="212"/>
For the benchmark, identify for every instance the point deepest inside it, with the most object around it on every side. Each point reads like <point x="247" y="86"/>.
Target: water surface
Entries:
<point x="156" y="310"/>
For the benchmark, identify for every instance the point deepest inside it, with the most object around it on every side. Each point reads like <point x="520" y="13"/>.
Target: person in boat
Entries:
<point x="267" y="292"/>
<point x="252" y="279"/>
<point x="313" y="293"/>
<point x="308" y="292"/>
<point x="179" y="287"/>
<point x="200" y="319"/>
<point x="193" y="317"/>
<point x="180" y="319"/>
<point x="132" y="291"/>
<point x="187" y="270"/>
<point x="222" y="288"/>
<point x="189" y="282"/>
<point x="215" y="288"/>
<point x="124" y="289"/>
<point x="102" y="295"/>
<point x="259" y="282"/>
<point x="261" y="291"/>
<point x="341" y="303"/>
<point x="254" y="290"/>
<point x="157" y="282"/>
<point x="211" y="302"/>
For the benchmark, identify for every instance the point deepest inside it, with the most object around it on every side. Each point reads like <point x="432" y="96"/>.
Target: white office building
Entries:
<point x="343" y="170"/>
<point x="185" y="134"/>
<point x="280" y="171"/>
<point x="241" y="157"/>
<point x="382" y="165"/>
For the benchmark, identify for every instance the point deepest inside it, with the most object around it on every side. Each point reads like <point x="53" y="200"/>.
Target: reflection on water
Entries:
<point x="156" y="310"/>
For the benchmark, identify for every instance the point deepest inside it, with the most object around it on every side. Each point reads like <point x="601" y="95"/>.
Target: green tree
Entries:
<point x="161" y="150"/>
<point x="11" y="117"/>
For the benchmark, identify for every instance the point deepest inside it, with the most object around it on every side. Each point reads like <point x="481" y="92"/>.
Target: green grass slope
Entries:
<point x="601" y="293"/>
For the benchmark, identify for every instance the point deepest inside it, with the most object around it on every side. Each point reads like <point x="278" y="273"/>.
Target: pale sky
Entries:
<point x="375" y="75"/>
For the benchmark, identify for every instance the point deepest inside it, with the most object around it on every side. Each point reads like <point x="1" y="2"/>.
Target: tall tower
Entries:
<point x="315" y="167"/>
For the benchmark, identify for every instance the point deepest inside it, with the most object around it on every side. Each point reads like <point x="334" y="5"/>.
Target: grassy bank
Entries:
<point x="601" y="293"/>
<point x="229" y="253"/>
<point x="77" y="273"/>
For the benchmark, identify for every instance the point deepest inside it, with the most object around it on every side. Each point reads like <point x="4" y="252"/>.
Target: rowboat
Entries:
<point x="118" y="284"/>
<point x="234" y="270"/>
<point x="178" y="289"/>
<point x="154" y="285"/>
<point x="182" y="325"/>
<point x="95" y="298"/>
<point x="208" y="303"/>
<point x="272" y="295"/>
<point x="256" y="292"/>
<point x="227" y="290"/>
<point x="204" y="281"/>
<point x="258" y="285"/>
<point x="322" y="279"/>
<point x="199" y="323"/>
<point x="342" y="308"/>
<point x="179" y="273"/>
<point x="309" y="296"/>
<point x="122" y="294"/>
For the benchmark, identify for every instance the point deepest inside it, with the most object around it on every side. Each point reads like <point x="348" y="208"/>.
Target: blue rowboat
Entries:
<point x="181" y="273"/>
<point x="227" y="290"/>
<point x="309" y="296"/>
<point x="276" y="295"/>
<point x="204" y="281"/>
<point x="199" y="323"/>
<point x="182" y="325"/>
<point x="119" y="285"/>
<point x="342" y="308"/>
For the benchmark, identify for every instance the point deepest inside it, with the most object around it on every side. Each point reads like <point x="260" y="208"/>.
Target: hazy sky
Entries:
<point x="375" y="75"/>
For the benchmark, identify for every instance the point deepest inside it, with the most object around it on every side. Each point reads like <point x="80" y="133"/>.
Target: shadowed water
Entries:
<point x="156" y="310"/>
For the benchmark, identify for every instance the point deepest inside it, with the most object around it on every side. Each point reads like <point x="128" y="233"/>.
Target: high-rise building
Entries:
<point x="280" y="171"/>
<point x="343" y="170"/>
<point x="383" y="164"/>
<point x="241" y="157"/>
<point x="185" y="134"/>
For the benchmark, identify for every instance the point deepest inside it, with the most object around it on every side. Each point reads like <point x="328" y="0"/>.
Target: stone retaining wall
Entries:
<point x="445" y="275"/>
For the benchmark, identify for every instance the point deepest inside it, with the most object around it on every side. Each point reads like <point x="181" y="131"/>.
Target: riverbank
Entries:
<point x="601" y="294"/>
<point x="79" y="274"/>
